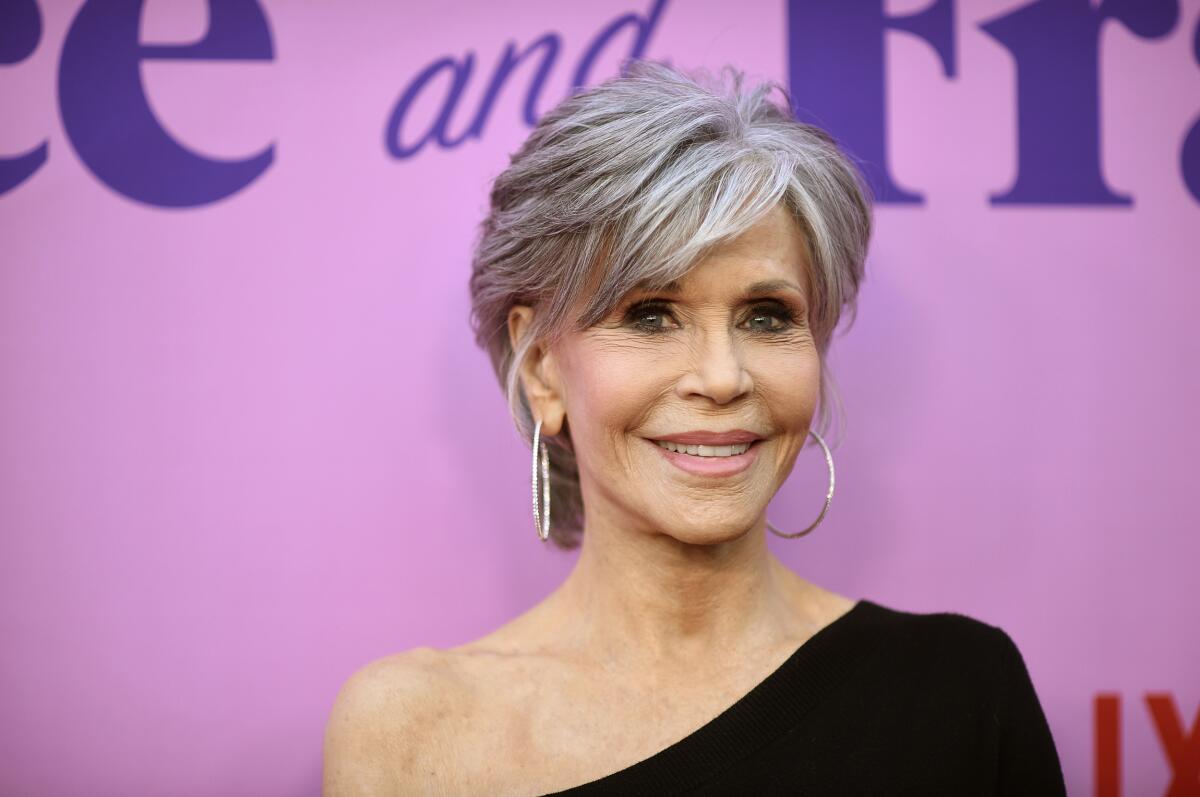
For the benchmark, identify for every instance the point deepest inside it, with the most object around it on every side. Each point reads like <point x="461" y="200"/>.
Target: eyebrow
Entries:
<point x="768" y="286"/>
<point x="757" y="289"/>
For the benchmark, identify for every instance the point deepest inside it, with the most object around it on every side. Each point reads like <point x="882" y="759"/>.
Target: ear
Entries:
<point x="538" y="374"/>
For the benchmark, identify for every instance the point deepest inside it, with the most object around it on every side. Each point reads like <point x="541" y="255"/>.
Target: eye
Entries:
<point x="649" y="316"/>
<point x="770" y="317"/>
<point x="655" y="316"/>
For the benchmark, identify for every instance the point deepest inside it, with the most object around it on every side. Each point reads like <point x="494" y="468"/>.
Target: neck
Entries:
<point x="642" y="599"/>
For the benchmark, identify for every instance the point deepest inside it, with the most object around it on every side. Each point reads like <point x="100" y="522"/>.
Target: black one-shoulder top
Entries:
<point x="880" y="701"/>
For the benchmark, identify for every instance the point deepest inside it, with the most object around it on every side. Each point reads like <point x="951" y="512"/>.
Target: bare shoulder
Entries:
<point x="831" y="605"/>
<point x="378" y="738"/>
<point x="820" y="605"/>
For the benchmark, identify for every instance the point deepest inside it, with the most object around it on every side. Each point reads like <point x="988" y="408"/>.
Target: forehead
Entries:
<point x="771" y="255"/>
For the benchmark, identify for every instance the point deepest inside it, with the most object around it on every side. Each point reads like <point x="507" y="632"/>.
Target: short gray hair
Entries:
<point x="631" y="183"/>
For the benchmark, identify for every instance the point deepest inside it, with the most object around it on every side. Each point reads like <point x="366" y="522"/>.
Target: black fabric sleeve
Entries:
<point x="1029" y="763"/>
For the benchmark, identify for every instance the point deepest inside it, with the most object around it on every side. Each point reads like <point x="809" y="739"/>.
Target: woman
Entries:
<point x="657" y="284"/>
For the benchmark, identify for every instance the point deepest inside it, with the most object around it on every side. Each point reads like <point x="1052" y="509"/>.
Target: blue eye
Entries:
<point x="769" y="313"/>
<point x="771" y="317"/>
<point x="648" y="316"/>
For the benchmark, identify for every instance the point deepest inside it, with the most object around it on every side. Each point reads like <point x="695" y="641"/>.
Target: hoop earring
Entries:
<point x="828" y="495"/>
<point x="541" y="520"/>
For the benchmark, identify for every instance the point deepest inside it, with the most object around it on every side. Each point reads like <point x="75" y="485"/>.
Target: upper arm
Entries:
<point x="1029" y="762"/>
<point x="371" y="747"/>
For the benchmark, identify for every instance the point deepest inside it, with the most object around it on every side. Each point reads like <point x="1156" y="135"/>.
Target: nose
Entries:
<point x="716" y="370"/>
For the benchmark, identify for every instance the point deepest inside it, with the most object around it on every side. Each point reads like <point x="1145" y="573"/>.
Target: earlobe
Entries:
<point x="553" y="408"/>
<point x="538" y="373"/>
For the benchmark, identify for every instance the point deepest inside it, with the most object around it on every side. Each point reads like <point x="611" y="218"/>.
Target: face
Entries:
<point x="725" y="356"/>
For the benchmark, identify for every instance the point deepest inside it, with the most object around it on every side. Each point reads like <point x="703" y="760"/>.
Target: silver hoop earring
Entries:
<point x="541" y="520"/>
<point x="828" y="495"/>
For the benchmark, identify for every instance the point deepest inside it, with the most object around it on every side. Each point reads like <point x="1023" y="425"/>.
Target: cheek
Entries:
<point x="789" y="382"/>
<point x="612" y="387"/>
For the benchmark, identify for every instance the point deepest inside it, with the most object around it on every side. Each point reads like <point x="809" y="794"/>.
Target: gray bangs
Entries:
<point x="705" y="198"/>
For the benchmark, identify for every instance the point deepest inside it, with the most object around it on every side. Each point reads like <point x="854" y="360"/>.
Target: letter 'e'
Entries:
<point x="109" y="122"/>
<point x="20" y="32"/>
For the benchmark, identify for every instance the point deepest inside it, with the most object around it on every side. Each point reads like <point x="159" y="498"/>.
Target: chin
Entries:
<point x="717" y="531"/>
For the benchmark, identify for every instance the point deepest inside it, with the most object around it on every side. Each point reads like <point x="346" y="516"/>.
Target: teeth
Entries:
<point x="705" y="451"/>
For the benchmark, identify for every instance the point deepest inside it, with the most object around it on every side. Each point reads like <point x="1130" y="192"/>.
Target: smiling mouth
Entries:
<point x="709" y="462"/>
<point x="701" y="451"/>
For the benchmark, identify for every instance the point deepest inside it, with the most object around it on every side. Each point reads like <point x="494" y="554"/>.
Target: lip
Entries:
<point x="710" y="466"/>
<point x="706" y="438"/>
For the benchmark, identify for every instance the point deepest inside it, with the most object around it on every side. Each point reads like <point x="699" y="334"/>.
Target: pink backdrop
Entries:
<point x="248" y="445"/>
